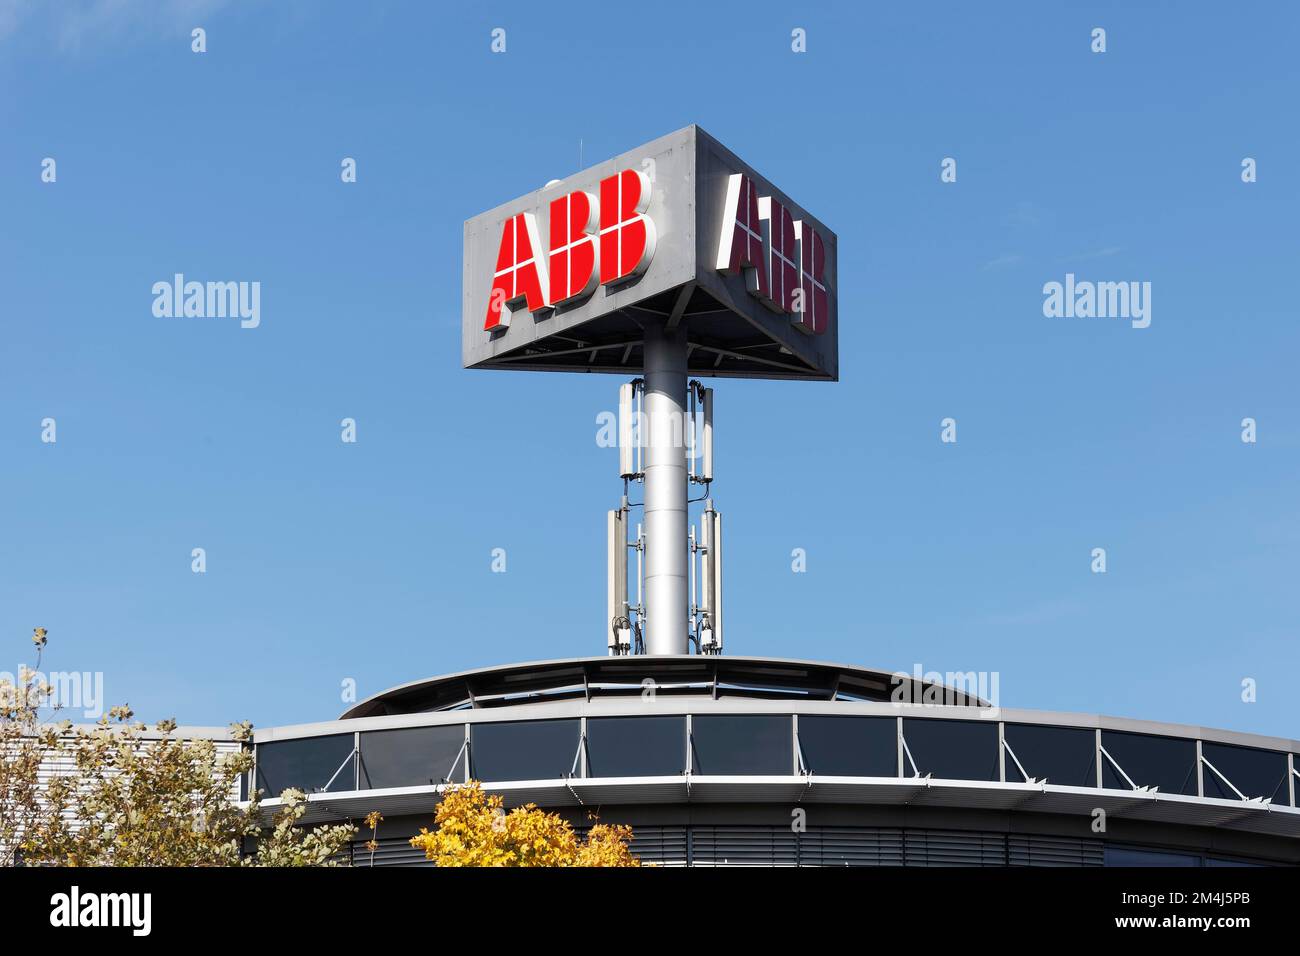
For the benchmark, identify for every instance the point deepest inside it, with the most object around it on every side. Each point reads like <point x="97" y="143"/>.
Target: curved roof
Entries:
<point x="763" y="678"/>
<point x="1127" y="784"/>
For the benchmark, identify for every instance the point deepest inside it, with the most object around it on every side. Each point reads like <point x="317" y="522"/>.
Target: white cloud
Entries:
<point x="1003" y="261"/>
<point x="1103" y="253"/>
<point x="11" y="13"/>
<point x="78" y="23"/>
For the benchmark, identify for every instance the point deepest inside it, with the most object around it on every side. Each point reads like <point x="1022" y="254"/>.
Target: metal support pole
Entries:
<point x="666" y="585"/>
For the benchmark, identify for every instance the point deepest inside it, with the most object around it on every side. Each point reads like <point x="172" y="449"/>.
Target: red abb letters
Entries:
<point x="520" y="275"/>
<point x="573" y="247"/>
<point x="627" y="236"/>
<point x="591" y="242"/>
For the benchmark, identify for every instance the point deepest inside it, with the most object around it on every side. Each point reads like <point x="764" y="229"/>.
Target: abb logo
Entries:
<point x="783" y="259"/>
<point x="592" y="242"/>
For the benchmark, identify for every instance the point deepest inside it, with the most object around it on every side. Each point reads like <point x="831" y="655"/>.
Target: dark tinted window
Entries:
<point x="1256" y="773"/>
<point x="952" y="749"/>
<point x="850" y="746"/>
<point x="532" y="750"/>
<point x="412" y="756"/>
<point x="1165" y="762"/>
<point x="636" y="746"/>
<point x="742" y="744"/>
<point x="1131" y="856"/>
<point x="1066" y="756"/>
<point x="1215" y="861"/>
<point x="305" y="764"/>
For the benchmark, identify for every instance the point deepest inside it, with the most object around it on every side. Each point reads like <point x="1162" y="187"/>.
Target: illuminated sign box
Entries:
<point x="678" y="231"/>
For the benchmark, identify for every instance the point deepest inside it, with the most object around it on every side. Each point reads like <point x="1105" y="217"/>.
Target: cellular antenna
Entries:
<point x="666" y="446"/>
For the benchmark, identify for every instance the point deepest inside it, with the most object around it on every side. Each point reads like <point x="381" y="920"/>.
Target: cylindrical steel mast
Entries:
<point x="666" y="585"/>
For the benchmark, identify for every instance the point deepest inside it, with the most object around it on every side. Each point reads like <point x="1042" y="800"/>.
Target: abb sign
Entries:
<point x="679" y="231"/>
<point x="783" y="258"/>
<point x="608" y="237"/>
<point x="592" y="242"/>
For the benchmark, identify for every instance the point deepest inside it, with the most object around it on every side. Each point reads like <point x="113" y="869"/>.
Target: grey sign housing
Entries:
<point x="728" y="331"/>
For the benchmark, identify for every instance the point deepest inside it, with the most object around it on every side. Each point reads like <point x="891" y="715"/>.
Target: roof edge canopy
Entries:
<point x="767" y="678"/>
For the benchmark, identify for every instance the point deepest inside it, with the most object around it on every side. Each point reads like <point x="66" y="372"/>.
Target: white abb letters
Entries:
<point x="783" y="259"/>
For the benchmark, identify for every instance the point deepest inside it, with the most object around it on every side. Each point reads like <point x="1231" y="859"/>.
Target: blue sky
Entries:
<point x="371" y="561"/>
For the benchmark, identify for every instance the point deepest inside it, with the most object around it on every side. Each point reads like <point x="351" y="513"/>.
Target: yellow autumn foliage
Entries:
<point x="473" y="829"/>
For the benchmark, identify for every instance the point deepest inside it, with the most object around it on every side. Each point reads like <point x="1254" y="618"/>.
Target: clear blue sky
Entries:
<point x="372" y="561"/>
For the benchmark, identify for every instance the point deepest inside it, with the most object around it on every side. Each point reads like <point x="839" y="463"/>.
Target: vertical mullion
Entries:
<point x="794" y="745"/>
<point x="690" y="740"/>
<point x="1200" y="772"/>
<point x="898" y="746"/>
<point x="469" y="753"/>
<point x="1096" y="756"/>
<point x="1002" y="751"/>
<point x="582" y="745"/>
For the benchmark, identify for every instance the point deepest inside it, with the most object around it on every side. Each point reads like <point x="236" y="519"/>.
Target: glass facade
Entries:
<point x="1256" y="773"/>
<point x="1165" y="762"/>
<point x="762" y="745"/>
<point x="1137" y="856"/>
<point x="636" y="746"/>
<point x="524" y="750"/>
<point x="306" y="764"/>
<point x="1216" y="861"/>
<point x="849" y="746"/>
<point x="952" y="749"/>
<point x="1066" y="756"/>
<point x="753" y="744"/>
<point x="412" y="756"/>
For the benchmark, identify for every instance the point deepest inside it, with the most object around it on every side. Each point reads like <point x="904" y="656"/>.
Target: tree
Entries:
<point x="23" y="745"/>
<point x="118" y="796"/>
<point x="473" y="829"/>
<point x="290" y="844"/>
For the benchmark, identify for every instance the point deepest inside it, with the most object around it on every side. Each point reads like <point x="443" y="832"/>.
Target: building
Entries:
<point x="678" y="259"/>
<point x="719" y="760"/>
